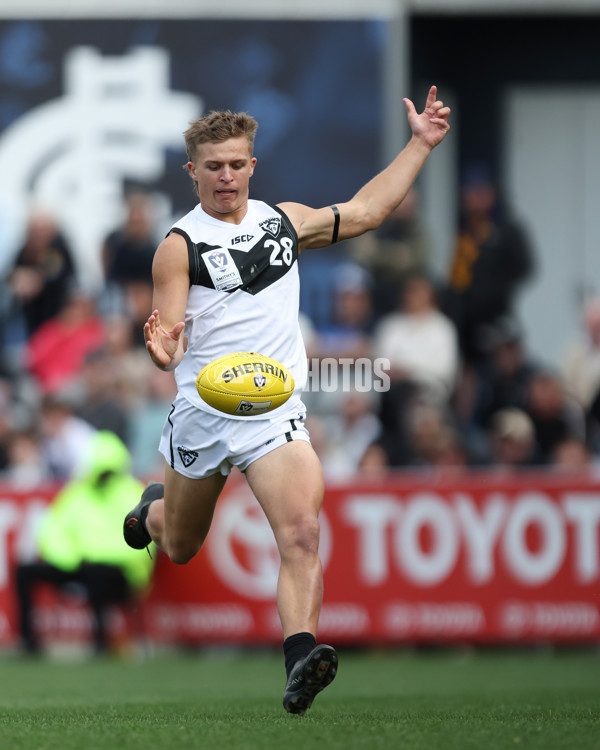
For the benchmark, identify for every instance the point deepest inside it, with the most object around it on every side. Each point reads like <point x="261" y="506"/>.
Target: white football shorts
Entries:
<point x="198" y="444"/>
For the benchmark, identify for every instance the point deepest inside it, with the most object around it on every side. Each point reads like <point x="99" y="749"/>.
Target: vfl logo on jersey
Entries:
<point x="222" y="269"/>
<point x="272" y="225"/>
<point x="217" y="259"/>
<point x="260" y="381"/>
<point x="187" y="456"/>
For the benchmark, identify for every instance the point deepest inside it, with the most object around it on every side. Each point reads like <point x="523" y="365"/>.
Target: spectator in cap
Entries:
<point x="503" y="381"/>
<point x="512" y="440"/>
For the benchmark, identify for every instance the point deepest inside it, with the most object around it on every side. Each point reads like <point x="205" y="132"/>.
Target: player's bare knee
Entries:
<point x="301" y="538"/>
<point x="178" y="557"/>
<point x="180" y="553"/>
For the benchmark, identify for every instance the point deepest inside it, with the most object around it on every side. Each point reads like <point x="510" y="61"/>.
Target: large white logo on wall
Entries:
<point x="242" y="548"/>
<point x="71" y="155"/>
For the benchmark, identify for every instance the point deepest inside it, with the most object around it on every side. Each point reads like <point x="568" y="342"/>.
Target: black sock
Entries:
<point x="156" y="491"/>
<point x="296" y="647"/>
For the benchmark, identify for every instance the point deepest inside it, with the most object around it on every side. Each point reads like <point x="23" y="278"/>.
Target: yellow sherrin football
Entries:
<point x="245" y="384"/>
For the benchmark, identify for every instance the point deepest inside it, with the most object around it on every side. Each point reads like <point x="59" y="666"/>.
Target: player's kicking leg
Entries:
<point x="176" y="515"/>
<point x="134" y="527"/>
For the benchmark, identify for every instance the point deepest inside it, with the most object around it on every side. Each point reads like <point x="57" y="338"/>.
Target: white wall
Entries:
<point x="280" y="8"/>
<point x="552" y="161"/>
<point x="272" y="9"/>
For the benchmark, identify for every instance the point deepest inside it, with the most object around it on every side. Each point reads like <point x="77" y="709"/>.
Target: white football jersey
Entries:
<point x="244" y="295"/>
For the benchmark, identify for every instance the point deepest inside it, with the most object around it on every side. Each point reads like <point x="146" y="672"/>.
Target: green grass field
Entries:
<point x="390" y="699"/>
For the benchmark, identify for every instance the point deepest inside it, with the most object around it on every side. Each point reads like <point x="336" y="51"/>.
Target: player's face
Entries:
<point x="222" y="171"/>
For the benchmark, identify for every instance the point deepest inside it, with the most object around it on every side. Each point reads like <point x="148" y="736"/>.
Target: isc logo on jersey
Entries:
<point x="245" y="384"/>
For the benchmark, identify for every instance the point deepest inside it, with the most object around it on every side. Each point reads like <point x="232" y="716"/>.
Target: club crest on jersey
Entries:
<point x="272" y="225"/>
<point x="186" y="455"/>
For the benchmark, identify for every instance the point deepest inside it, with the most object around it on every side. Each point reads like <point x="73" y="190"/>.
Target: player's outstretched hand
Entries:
<point x="432" y="124"/>
<point x="162" y="345"/>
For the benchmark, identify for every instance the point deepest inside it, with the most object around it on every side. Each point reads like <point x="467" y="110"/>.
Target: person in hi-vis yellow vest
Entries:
<point x="81" y="541"/>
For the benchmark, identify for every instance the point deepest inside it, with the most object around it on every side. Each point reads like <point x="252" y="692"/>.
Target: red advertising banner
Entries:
<point x="471" y="559"/>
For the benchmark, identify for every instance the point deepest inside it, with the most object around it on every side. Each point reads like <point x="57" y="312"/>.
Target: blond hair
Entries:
<point x="219" y="126"/>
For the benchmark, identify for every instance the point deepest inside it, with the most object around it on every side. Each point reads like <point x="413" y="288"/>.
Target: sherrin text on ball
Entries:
<point x="245" y="384"/>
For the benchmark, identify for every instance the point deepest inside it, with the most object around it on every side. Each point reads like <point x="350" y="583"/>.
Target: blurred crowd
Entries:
<point x="464" y="391"/>
<point x="461" y="390"/>
<point x="73" y="360"/>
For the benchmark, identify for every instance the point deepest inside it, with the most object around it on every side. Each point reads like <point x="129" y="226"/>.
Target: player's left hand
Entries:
<point x="432" y="124"/>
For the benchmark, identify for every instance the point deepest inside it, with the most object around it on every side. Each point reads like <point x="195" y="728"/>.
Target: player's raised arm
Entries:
<point x="163" y="331"/>
<point x="374" y="202"/>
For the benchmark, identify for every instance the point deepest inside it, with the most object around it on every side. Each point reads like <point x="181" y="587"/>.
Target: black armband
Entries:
<point x="336" y="224"/>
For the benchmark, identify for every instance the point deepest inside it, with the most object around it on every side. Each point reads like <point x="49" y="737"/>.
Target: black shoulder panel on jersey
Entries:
<point x="270" y="259"/>
<point x="191" y="248"/>
<point x="185" y="235"/>
<point x="288" y="225"/>
<point x="265" y="263"/>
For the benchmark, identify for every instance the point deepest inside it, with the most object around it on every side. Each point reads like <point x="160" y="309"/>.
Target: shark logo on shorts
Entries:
<point x="272" y="225"/>
<point x="186" y="455"/>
